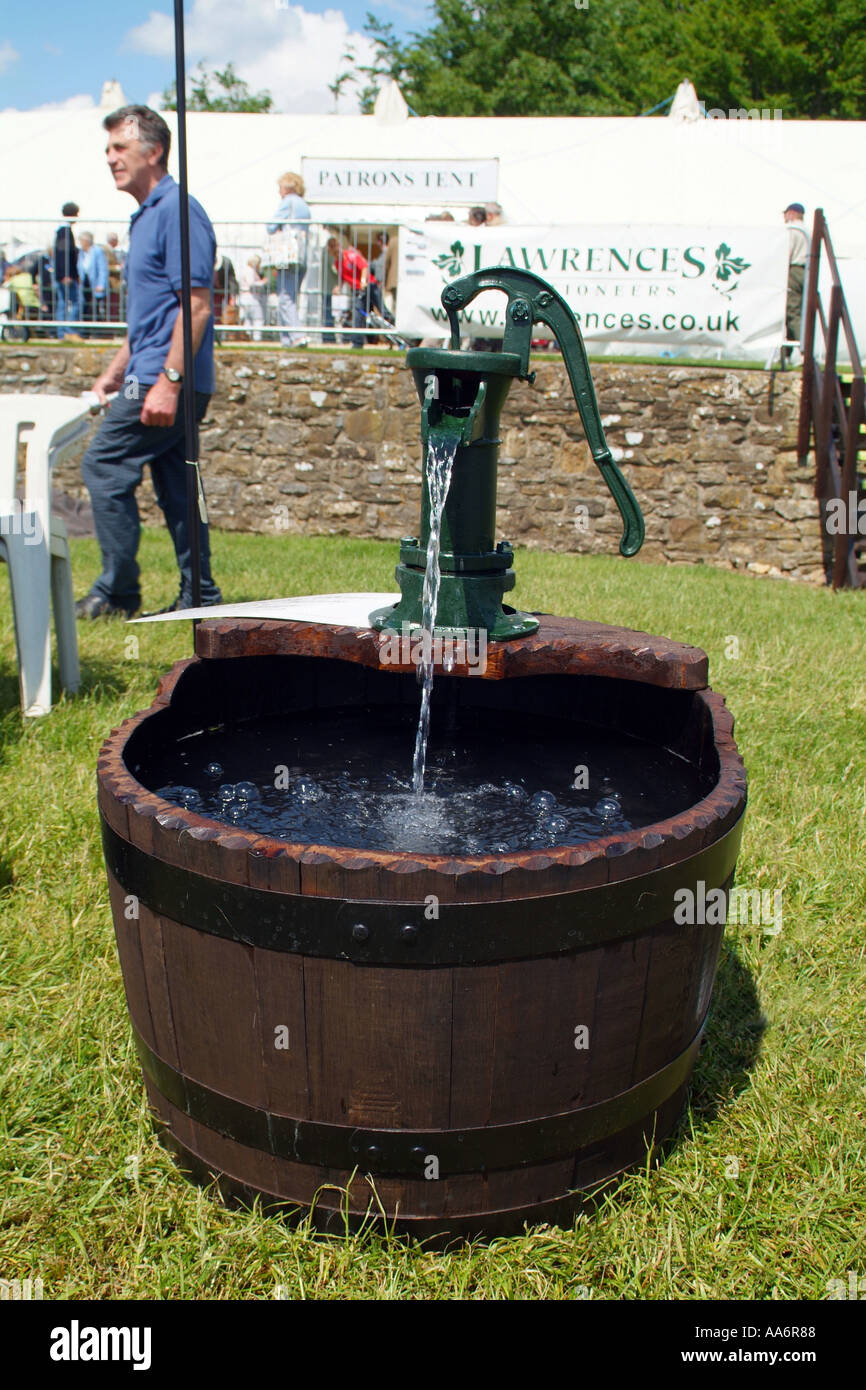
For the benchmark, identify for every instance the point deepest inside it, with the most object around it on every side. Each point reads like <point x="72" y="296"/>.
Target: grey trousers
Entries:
<point x="112" y="469"/>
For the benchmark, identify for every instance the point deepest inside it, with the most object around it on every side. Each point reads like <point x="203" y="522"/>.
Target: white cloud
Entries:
<point x="82" y="102"/>
<point x="8" y="54"/>
<point x="289" y="51"/>
<point x="155" y="36"/>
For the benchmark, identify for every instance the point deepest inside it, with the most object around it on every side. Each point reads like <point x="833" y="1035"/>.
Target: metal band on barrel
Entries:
<point x="398" y="934"/>
<point x="404" y="1152"/>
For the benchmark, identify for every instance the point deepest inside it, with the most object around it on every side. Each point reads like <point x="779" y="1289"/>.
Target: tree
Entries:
<point x="231" y="93"/>
<point x="621" y="57"/>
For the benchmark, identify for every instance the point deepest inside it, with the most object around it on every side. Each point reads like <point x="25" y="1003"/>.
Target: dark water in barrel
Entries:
<point x="493" y="785"/>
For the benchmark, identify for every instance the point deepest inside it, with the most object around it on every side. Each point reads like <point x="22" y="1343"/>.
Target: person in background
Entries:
<point x="376" y="274"/>
<point x="251" y="301"/>
<point x="389" y="282"/>
<point x="798" y="254"/>
<point x="378" y="252"/>
<point x="225" y="290"/>
<point x="330" y="282"/>
<point x="66" y="282"/>
<point x="290" y="276"/>
<point x="17" y="278"/>
<point x="477" y="217"/>
<point x="114" y="255"/>
<point x="354" y="276"/>
<point x="145" y="424"/>
<point x="116" y="259"/>
<point x="40" y="267"/>
<point x="32" y="272"/>
<point x="493" y="214"/>
<point x="93" y="276"/>
<point x="225" y="281"/>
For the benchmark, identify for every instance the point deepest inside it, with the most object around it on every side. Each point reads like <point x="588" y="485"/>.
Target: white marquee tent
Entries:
<point x="566" y="171"/>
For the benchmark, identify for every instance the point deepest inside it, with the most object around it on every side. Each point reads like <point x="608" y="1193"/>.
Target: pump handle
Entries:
<point x="531" y="300"/>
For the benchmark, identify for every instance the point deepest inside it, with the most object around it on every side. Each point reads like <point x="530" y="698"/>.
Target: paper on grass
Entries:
<point x="341" y="610"/>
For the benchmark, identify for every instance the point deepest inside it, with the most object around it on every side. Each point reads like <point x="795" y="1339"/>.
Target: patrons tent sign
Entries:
<point x="711" y="291"/>
<point x="426" y="181"/>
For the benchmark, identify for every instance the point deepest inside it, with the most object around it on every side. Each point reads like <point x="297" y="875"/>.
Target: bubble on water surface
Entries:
<point x="513" y="791"/>
<point x="247" y="791"/>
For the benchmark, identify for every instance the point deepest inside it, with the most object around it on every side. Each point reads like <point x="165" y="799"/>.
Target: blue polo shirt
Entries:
<point x="152" y="273"/>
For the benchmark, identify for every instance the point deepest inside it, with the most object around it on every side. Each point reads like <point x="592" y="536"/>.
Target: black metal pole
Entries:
<point x="195" y="496"/>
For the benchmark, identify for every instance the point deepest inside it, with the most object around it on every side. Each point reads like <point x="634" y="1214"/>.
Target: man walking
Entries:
<point x="145" y="421"/>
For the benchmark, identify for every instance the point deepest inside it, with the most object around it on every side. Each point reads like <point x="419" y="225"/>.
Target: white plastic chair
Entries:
<point x="34" y="544"/>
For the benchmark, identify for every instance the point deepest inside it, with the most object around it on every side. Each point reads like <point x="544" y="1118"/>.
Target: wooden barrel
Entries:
<point x="459" y="1044"/>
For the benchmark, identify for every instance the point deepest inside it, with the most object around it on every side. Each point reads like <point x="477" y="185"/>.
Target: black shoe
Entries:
<point x="95" y="606"/>
<point x="184" y="601"/>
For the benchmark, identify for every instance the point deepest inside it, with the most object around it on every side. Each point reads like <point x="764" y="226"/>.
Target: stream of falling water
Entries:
<point x="441" y="450"/>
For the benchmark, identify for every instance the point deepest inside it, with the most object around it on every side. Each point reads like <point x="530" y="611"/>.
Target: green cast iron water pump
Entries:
<point x="462" y="395"/>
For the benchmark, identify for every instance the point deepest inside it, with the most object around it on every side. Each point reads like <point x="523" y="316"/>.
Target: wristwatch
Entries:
<point x="173" y="376"/>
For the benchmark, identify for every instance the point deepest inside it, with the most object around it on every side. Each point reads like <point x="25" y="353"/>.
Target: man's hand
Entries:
<point x="106" y="384"/>
<point x="160" y="403"/>
<point x="114" y="375"/>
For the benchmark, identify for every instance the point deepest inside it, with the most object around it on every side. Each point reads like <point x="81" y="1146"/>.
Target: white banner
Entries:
<point x="427" y="181"/>
<point x="704" y="291"/>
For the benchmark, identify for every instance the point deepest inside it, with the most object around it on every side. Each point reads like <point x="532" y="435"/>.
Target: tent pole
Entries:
<point x="196" y="511"/>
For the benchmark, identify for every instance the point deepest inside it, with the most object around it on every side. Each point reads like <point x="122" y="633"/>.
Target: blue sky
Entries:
<point x="62" y="53"/>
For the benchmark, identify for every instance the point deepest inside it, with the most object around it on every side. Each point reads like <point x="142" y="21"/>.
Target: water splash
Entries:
<point x="441" y="451"/>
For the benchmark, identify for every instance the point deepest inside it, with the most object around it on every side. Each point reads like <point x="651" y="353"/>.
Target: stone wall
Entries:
<point x="323" y="443"/>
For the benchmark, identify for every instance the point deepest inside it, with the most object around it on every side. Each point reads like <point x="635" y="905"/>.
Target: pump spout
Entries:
<point x="531" y="300"/>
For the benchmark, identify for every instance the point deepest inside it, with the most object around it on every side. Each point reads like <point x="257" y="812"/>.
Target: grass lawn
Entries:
<point x="763" y="1195"/>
